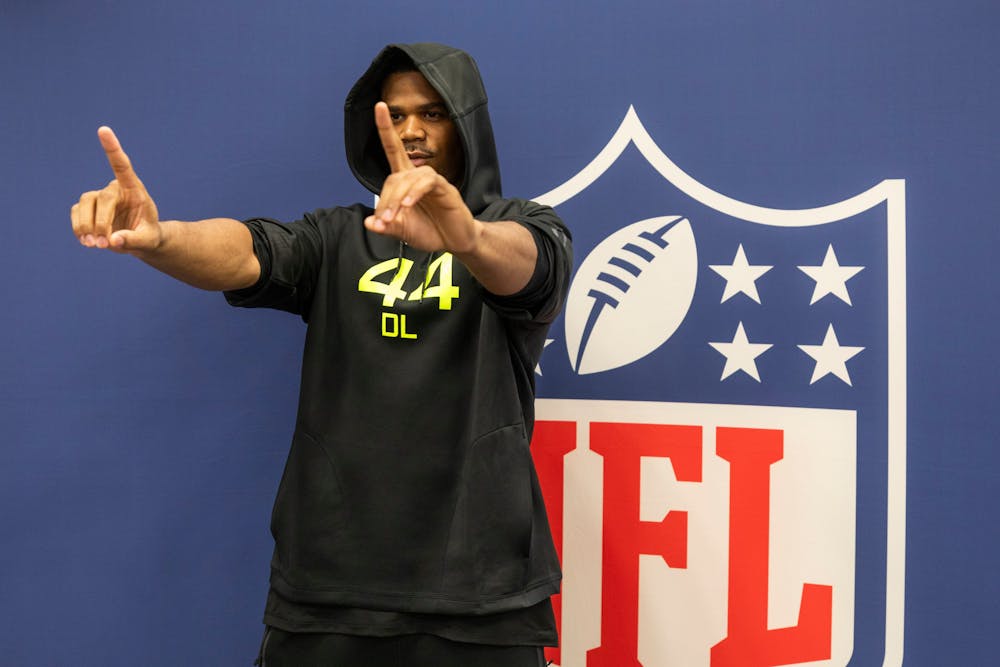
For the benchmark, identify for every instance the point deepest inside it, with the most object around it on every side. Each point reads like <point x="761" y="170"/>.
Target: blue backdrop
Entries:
<point x="143" y="424"/>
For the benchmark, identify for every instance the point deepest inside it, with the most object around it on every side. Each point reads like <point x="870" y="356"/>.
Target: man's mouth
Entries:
<point x="419" y="158"/>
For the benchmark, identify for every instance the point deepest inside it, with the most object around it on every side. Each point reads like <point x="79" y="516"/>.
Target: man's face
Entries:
<point x="421" y="118"/>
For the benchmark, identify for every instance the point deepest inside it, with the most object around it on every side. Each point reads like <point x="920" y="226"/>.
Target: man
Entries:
<point x="409" y="526"/>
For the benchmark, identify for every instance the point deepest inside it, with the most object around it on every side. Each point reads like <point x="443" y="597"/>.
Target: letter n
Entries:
<point x="550" y="443"/>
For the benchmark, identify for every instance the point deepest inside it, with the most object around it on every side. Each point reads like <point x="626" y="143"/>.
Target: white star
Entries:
<point x="740" y="276"/>
<point x="831" y="277"/>
<point x="740" y="354"/>
<point x="538" y="366"/>
<point x="831" y="357"/>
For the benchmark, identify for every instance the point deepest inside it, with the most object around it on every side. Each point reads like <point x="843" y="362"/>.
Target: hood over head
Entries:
<point x="453" y="73"/>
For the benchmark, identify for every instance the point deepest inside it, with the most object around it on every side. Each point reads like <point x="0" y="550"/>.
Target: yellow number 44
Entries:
<point x="444" y="291"/>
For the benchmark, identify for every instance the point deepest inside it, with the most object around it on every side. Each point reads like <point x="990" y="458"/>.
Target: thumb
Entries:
<point x="130" y="239"/>
<point x="120" y="240"/>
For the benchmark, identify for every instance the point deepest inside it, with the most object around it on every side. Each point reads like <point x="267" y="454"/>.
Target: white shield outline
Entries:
<point x="893" y="193"/>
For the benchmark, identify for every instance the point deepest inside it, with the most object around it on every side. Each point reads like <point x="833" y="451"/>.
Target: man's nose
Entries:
<point x="411" y="128"/>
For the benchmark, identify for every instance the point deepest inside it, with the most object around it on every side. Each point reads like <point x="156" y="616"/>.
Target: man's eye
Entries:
<point x="434" y="115"/>
<point x="395" y="117"/>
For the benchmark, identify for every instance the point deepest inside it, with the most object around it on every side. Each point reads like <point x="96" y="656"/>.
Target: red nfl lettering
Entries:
<point x="750" y="455"/>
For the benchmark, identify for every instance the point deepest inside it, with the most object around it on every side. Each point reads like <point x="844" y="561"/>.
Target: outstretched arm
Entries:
<point x="213" y="254"/>
<point x="420" y="207"/>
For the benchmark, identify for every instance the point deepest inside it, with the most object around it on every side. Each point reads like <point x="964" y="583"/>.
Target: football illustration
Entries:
<point x="631" y="294"/>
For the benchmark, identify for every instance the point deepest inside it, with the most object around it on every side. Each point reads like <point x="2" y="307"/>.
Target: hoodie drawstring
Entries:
<point x="427" y="278"/>
<point x="426" y="268"/>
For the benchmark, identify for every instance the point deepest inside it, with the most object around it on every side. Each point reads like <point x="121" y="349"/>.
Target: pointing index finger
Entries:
<point x="120" y="164"/>
<point x="391" y="143"/>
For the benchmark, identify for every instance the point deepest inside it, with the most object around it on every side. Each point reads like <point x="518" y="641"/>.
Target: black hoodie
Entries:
<point x="409" y="486"/>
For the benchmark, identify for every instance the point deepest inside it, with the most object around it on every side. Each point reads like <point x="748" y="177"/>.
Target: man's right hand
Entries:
<point x="122" y="217"/>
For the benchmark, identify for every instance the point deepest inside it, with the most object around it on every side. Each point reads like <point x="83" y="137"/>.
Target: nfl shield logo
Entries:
<point x="721" y="434"/>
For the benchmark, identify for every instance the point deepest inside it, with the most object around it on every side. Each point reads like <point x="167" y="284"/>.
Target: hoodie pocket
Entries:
<point x="309" y="514"/>
<point x="491" y="536"/>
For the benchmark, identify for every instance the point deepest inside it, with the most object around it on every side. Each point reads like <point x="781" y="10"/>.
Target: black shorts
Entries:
<point x="293" y="649"/>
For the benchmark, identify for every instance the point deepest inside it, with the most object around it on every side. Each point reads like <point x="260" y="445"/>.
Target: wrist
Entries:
<point x="153" y="238"/>
<point x="472" y="244"/>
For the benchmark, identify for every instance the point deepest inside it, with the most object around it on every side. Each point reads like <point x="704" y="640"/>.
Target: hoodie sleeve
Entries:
<point x="542" y="298"/>
<point x="290" y="257"/>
